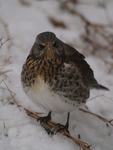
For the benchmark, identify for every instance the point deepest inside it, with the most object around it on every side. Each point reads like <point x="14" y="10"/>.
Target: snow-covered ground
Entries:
<point x="21" y="132"/>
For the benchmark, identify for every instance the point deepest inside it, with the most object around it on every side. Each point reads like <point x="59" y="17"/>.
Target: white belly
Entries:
<point x="41" y="95"/>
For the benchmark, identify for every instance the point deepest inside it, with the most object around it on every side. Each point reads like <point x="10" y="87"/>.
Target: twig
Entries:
<point x="25" y="3"/>
<point x="98" y="116"/>
<point x="7" y="32"/>
<point x="11" y="95"/>
<point x="74" y="11"/>
<point x="103" y="35"/>
<point x="57" y="23"/>
<point x="2" y="43"/>
<point x="97" y="44"/>
<point x="52" y="124"/>
<point x="4" y="72"/>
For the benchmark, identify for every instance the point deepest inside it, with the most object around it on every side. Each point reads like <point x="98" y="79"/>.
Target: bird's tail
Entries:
<point x="103" y="87"/>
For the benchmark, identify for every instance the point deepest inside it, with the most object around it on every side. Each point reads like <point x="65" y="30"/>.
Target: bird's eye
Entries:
<point x="41" y="46"/>
<point x="55" y="44"/>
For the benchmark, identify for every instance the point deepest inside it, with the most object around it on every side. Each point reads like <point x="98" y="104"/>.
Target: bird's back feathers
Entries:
<point x="73" y="56"/>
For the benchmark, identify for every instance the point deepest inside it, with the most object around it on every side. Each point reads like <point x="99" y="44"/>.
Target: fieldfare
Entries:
<point x="56" y="76"/>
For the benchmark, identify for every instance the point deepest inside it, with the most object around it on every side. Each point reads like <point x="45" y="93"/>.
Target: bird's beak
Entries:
<point x="48" y="46"/>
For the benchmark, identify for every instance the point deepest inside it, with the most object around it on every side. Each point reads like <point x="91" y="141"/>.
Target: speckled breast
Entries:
<point x="64" y="79"/>
<point x="68" y="82"/>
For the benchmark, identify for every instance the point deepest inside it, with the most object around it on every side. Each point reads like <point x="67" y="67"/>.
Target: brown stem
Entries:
<point x="98" y="116"/>
<point x="52" y="124"/>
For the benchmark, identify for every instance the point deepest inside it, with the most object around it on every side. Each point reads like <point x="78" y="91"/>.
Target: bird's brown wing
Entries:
<point x="73" y="56"/>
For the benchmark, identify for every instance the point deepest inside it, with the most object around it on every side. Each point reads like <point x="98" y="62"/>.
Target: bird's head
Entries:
<point x="46" y="44"/>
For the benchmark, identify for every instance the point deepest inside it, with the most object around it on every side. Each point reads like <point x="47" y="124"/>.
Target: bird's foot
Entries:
<point x="45" y="119"/>
<point x="62" y="127"/>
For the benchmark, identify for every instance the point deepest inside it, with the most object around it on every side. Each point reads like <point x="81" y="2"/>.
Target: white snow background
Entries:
<point x="21" y="132"/>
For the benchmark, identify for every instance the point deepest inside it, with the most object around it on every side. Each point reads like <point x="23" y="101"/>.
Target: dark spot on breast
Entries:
<point x="77" y="84"/>
<point x="73" y="104"/>
<point x="70" y="77"/>
<point x="77" y="77"/>
<point x="62" y="75"/>
<point x="63" y="90"/>
<point x="70" y="82"/>
<point x="55" y="78"/>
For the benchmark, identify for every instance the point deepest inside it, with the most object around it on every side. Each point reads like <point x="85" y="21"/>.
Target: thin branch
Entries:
<point x="103" y="35"/>
<point x="74" y="11"/>
<point x="4" y="72"/>
<point x="12" y="95"/>
<point x="98" y="116"/>
<point x="97" y="44"/>
<point x="52" y="124"/>
<point x="57" y="23"/>
<point x="25" y="2"/>
<point x="2" y="43"/>
<point x="7" y="32"/>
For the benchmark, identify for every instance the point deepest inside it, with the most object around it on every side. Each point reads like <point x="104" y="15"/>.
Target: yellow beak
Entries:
<point x="48" y="46"/>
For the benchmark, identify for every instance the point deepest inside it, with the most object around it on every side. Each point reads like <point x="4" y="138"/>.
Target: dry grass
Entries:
<point x="108" y="122"/>
<point x="51" y="124"/>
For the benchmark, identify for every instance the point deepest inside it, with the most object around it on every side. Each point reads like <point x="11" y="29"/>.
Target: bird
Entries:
<point x="57" y="77"/>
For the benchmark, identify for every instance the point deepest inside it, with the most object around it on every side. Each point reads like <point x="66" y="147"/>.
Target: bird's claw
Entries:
<point x="44" y="119"/>
<point x="62" y="128"/>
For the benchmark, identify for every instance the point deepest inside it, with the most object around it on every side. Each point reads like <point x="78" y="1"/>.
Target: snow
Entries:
<point x="21" y="132"/>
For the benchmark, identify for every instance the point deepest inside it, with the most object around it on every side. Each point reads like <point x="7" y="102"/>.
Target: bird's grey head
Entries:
<point x="46" y="38"/>
<point x="46" y="41"/>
